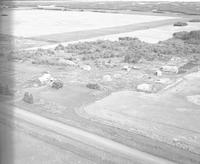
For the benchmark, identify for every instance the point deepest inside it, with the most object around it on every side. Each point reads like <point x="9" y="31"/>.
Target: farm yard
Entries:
<point x="128" y="75"/>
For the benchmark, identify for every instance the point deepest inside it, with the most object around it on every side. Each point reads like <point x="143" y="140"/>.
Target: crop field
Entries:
<point x="53" y="22"/>
<point x="151" y="35"/>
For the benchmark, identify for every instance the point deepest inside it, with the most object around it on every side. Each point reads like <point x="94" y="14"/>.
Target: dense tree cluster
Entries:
<point x="192" y="37"/>
<point x="132" y="49"/>
<point x="183" y="44"/>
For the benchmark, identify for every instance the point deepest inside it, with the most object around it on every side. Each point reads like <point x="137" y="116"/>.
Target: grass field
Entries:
<point x="167" y="116"/>
<point x="28" y="149"/>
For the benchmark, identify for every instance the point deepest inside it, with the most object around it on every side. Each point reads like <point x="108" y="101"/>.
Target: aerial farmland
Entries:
<point x="96" y="83"/>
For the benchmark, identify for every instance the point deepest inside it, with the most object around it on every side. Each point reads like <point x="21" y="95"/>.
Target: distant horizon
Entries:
<point x="114" y="0"/>
<point x="141" y="0"/>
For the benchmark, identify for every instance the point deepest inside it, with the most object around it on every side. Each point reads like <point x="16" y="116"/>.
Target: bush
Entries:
<point x="181" y="35"/>
<point x="93" y="86"/>
<point x="4" y="15"/>
<point x="57" y="84"/>
<point x="132" y="57"/>
<point x="59" y="47"/>
<point x="191" y="64"/>
<point x="194" y="20"/>
<point x="192" y="37"/>
<point x="180" y="24"/>
<point x="127" y="38"/>
<point x="28" y="98"/>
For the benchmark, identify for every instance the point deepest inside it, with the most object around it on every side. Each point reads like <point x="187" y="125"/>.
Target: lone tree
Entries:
<point x="28" y="98"/>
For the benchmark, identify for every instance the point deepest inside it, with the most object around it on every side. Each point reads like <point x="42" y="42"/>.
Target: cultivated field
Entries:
<point x="48" y="22"/>
<point x="152" y="35"/>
